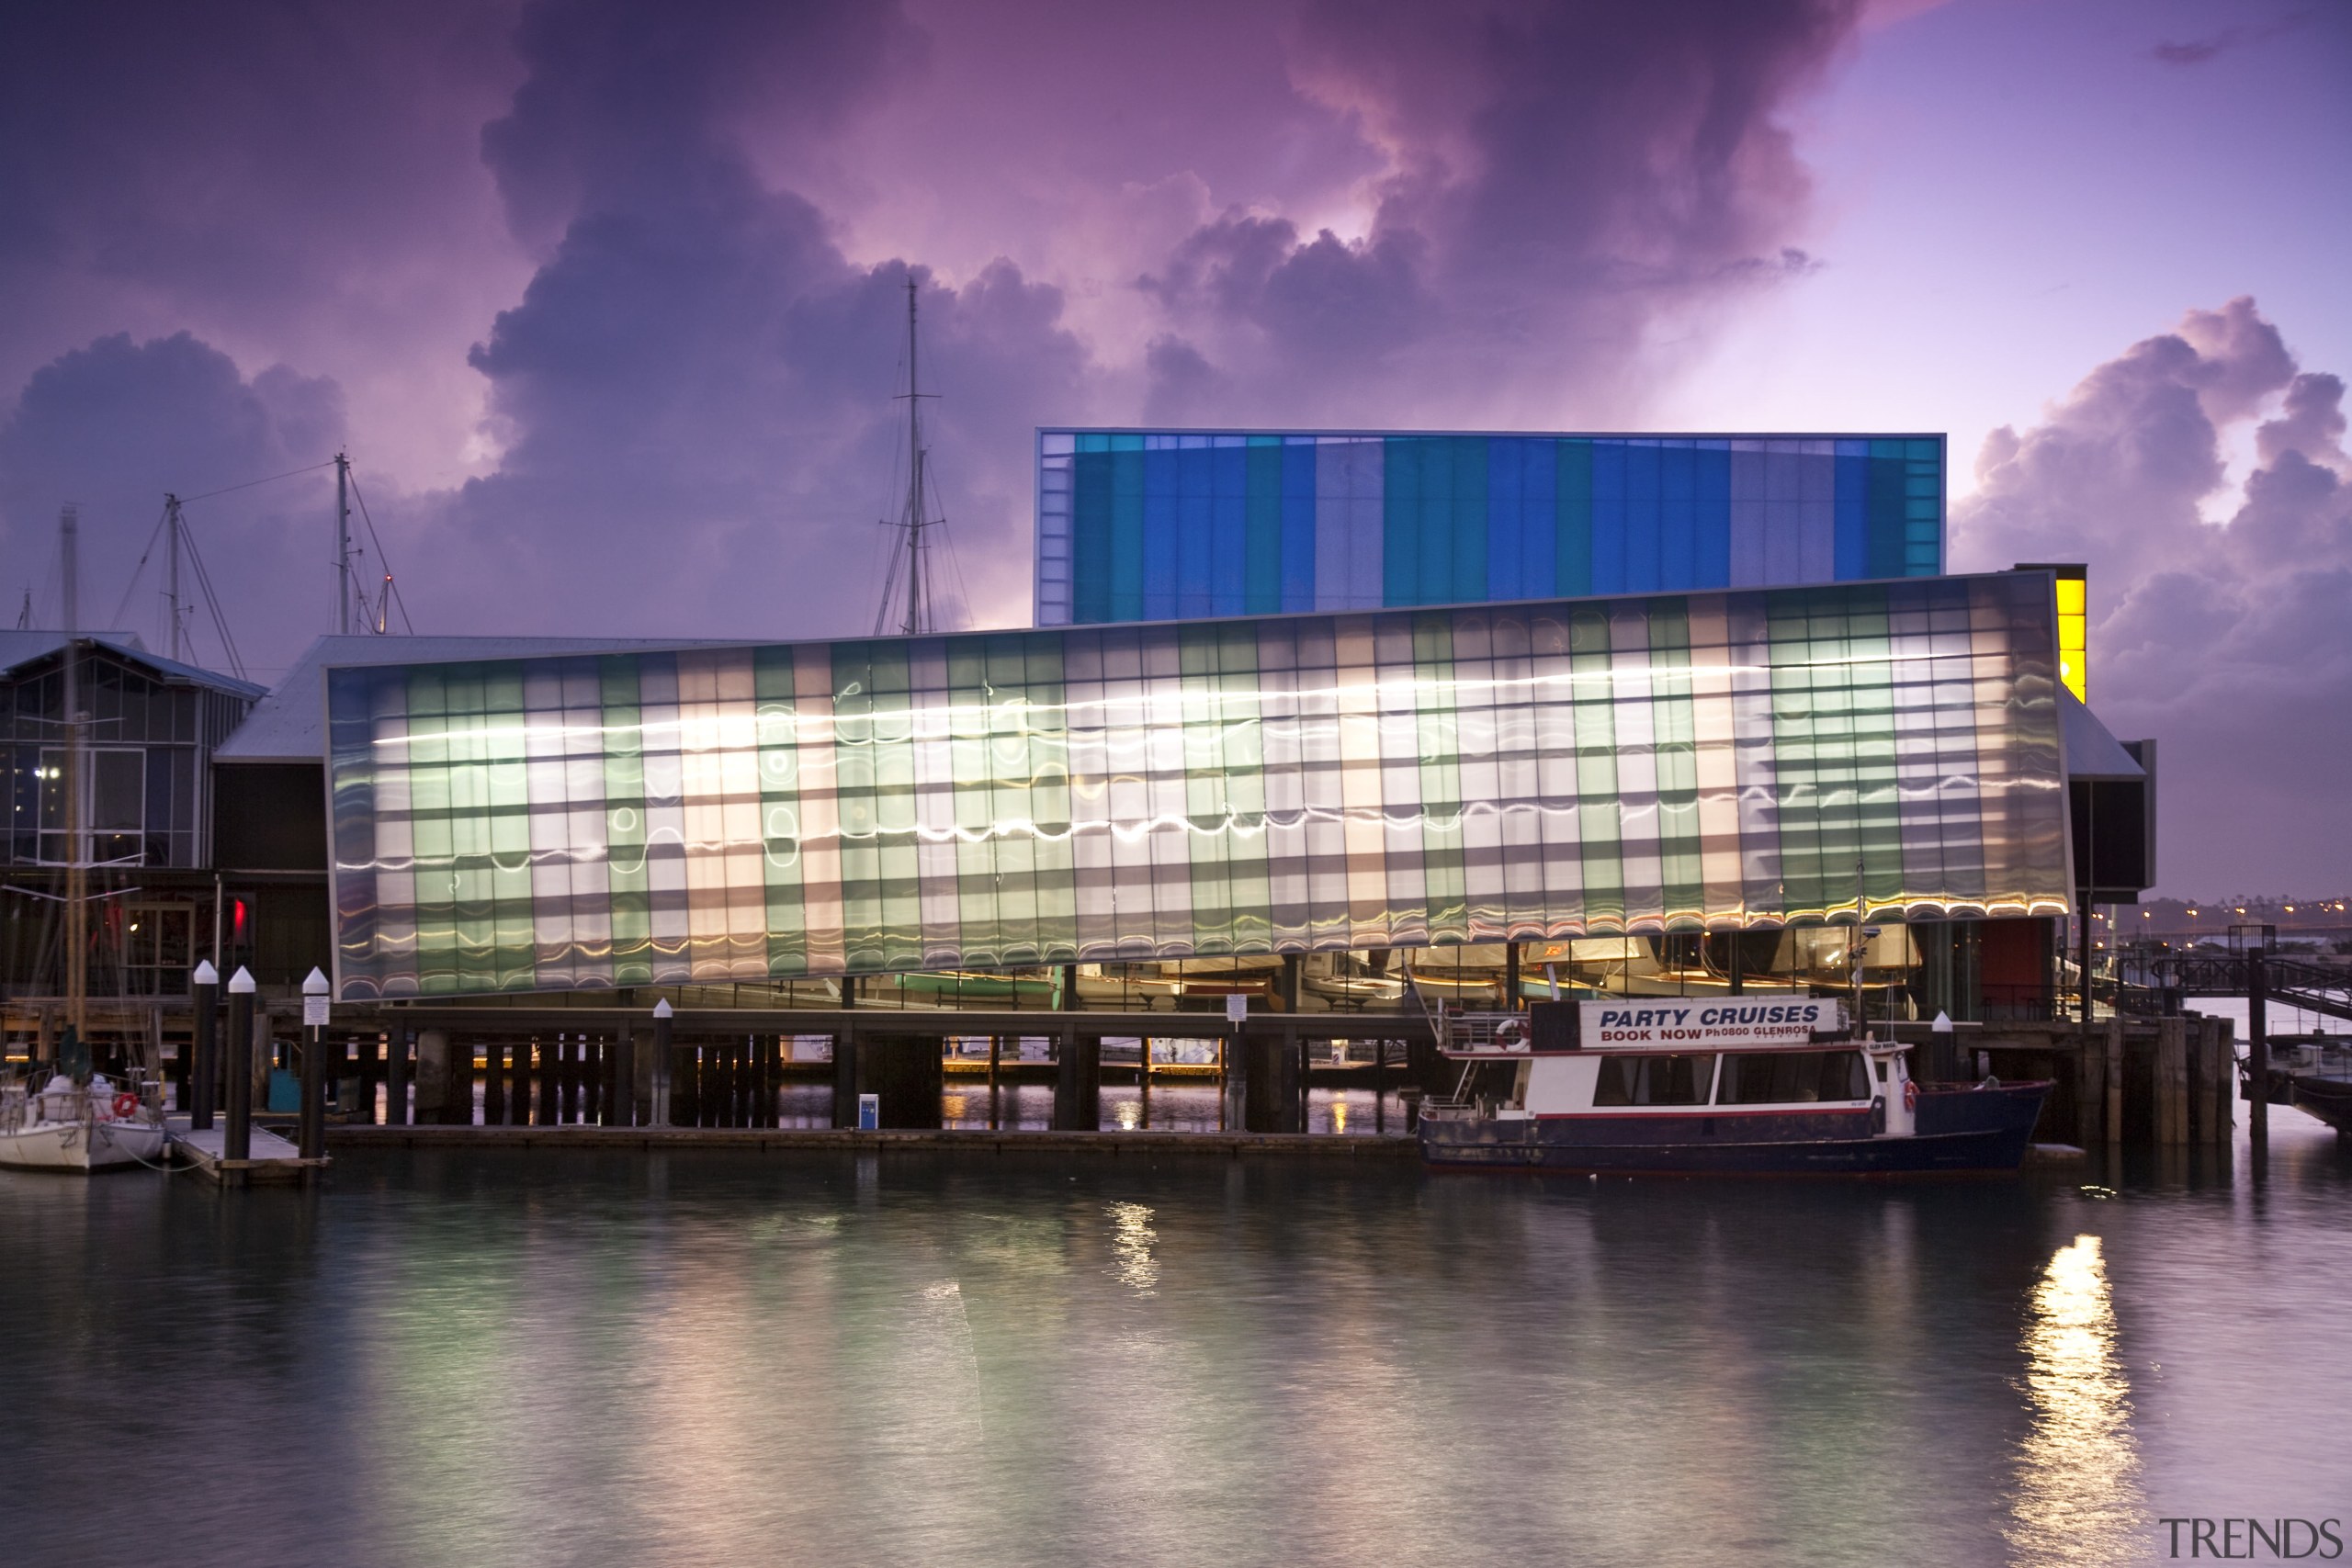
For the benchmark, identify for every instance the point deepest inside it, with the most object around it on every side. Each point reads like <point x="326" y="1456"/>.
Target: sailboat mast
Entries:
<point x="914" y="623"/>
<point x="342" y="544"/>
<point x="77" y="855"/>
<point x="172" y="572"/>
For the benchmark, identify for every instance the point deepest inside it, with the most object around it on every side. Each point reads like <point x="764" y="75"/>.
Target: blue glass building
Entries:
<point x="1153" y="525"/>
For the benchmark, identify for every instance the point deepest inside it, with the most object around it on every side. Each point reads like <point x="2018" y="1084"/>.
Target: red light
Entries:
<point x="237" y="920"/>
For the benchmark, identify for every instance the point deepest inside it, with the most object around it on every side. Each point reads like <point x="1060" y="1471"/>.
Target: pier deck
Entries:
<point x="1125" y="1144"/>
<point x="271" y="1157"/>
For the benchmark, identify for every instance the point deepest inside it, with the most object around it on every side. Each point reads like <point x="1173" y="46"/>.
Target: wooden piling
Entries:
<point x="2090" y="1090"/>
<point x="845" y="1076"/>
<point x="2169" y="1082"/>
<point x="493" y="1091"/>
<point x="237" y="1138"/>
<point x="620" y="1099"/>
<point x="205" y="1003"/>
<point x="396" y="1076"/>
<point x="2113" y="1118"/>
<point x="458" y="1108"/>
<point x="550" y="1077"/>
<point x="996" y="1044"/>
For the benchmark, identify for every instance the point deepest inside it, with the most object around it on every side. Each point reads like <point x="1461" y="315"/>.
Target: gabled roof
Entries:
<point x="288" y="725"/>
<point x="19" y="649"/>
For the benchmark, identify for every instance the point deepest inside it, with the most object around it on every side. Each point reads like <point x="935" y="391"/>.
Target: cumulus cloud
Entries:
<point x="2225" y="640"/>
<point x="113" y="427"/>
<point x="1557" y="182"/>
<point x="694" y="393"/>
<point x="643" y="264"/>
<point x="291" y="183"/>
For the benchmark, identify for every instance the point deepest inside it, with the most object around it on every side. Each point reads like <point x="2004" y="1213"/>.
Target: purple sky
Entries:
<point x="603" y="298"/>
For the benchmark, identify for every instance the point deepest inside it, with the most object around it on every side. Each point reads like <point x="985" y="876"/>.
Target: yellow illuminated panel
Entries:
<point x="2073" y="620"/>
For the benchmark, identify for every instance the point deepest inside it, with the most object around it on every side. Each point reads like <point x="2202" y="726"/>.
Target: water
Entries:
<point x="520" y="1357"/>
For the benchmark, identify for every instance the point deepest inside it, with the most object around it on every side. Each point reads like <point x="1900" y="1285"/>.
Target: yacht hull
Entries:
<point x="79" y="1146"/>
<point x="1960" y="1131"/>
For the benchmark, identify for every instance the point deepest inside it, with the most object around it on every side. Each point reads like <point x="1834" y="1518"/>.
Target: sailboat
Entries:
<point x="76" y="1118"/>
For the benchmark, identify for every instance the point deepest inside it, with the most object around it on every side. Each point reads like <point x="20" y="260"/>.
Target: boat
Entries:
<point x="1733" y="1086"/>
<point x="82" y="1123"/>
<point x="62" y="1115"/>
<point x="2312" y="1073"/>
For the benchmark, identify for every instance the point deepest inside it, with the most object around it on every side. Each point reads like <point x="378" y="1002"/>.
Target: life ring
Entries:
<point x="1910" y="1095"/>
<point x="125" y="1106"/>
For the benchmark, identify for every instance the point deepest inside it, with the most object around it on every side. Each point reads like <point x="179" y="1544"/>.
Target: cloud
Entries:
<point x="114" y="425"/>
<point x="694" y="394"/>
<point x="2197" y="51"/>
<point x="637" y="270"/>
<point x="2224" y="640"/>
<point x="1557" y="182"/>
<point x="292" y="183"/>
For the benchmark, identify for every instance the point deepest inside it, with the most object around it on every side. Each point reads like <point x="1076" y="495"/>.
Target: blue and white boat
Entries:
<point x="1733" y="1086"/>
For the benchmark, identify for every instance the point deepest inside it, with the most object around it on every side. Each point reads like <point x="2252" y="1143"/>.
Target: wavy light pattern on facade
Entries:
<point x="1154" y="792"/>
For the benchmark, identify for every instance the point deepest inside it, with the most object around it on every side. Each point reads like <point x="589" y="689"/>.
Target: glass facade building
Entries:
<point x="1690" y="761"/>
<point x="1148" y="526"/>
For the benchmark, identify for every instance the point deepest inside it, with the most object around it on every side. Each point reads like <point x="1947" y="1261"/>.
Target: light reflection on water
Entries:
<point x="552" y="1358"/>
<point x="2078" y="1496"/>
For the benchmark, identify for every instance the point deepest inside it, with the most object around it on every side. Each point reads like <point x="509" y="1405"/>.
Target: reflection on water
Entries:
<point x="2078" y="1496"/>
<point x="1015" y="1359"/>
<point x="1131" y="1239"/>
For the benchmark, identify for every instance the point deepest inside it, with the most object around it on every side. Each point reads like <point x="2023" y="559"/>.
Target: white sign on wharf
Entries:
<point x="1708" y="1023"/>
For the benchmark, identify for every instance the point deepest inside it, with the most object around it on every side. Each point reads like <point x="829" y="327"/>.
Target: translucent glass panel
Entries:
<point x="1139" y="525"/>
<point x="1288" y="783"/>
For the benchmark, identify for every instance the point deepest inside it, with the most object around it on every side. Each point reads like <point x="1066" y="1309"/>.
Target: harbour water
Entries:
<point x="519" y="1357"/>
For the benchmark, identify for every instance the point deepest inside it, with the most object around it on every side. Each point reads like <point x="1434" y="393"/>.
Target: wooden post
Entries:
<point x="665" y="1068"/>
<point x="493" y="1092"/>
<point x="846" y="1076"/>
<point x="2218" y="1081"/>
<point x="204" y="1005"/>
<point x="1224" y="1078"/>
<point x="1078" y="1090"/>
<point x="396" y="1076"/>
<point x="1305" y="1093"/>
<point x="620" y="1080"/>
<point x="1379" y="1086"/>
<point x="2090" y="1088"/>
<point x="371" y="1073"/>
<point x="996" y="1046"/>
<point x="2168" y="1081"/>
<point x="2257" y="1056"/>
<point x="236" y="1140"/>
<point x="1143" y="1079"/>
<point x="457" y="1107"/>
<point x="550" y="1077"/>
<point x="2115" y="1082"/>
<point x="311" y="1142"/>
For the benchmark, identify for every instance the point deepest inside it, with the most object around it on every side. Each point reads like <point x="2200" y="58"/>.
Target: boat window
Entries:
<point x="1794" y="1078"/>
<point x="1847" y="1066"/>
<point x="1654" y="1080"/>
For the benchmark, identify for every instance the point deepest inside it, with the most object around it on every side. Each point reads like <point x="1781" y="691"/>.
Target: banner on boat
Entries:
<point x="1708" y="1023"/>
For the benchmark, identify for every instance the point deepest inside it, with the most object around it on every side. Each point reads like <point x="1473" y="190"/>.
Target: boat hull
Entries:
<point x="1959" y="1132"/>
<point x="2330" y="1099"/>
<point x="75" y="1145"/>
